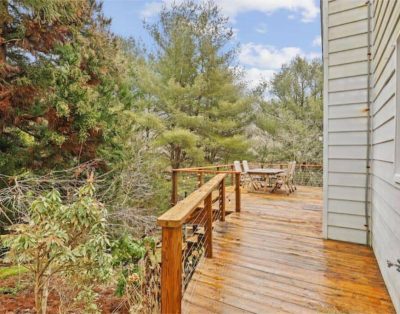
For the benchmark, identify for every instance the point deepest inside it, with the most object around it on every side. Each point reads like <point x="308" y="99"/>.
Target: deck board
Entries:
<point x="271" y="258"/>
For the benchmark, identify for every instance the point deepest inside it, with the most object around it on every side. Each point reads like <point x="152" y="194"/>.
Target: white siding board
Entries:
<point x="386" y="93"/>
<point x="351" y="29"/>
<point x="348" y="124"/>
<point x="385" y="113"/>
<point x="348" y="111"/>
<point x="348" y="97"/>
<point x="384" y="151"/>
<point x="346" y="207"/>
<point x="347" y="165"/>
<point x="346" y="234"/>
<point x="354" y="138"/>
<point x="347" y="43"/>
<point x="385" y="132"/>
<point x="347" y="179"/>
<point x="346" y="193"/>
<point x="348" y="56"/>
<point x="347" y="221"/>
<point x="350" y="69"/>
<point x="347" y="83"/>
<point x="347" y="152"/>
<point x="348" y="16"/>
<point x="384" y="170"/>
<point x="338" y="6"/>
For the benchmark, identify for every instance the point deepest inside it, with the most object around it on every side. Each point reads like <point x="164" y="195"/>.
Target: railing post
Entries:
<point x="237" y="192"/>
<point x="222" y="200"/>
<point x="174" y="194"/>
<point x="208" y="226"/>
<point x="232" y="176"/>
<point x="171" y="270"/>
<point x="200" y="179"/>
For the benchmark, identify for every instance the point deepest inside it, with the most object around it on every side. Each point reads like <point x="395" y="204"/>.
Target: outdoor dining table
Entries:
<point x="265" y="172"/>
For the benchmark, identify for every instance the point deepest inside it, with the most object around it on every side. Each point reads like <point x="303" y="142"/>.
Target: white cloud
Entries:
<point x="267" y="57"/>
<point x="151" y="9"/>
<point x="261" y="28"/>
<point x="254" y="76"/>
<point x="307" y="9"/>
<point x="260" y="62"/>
<point x="317" y="41"/>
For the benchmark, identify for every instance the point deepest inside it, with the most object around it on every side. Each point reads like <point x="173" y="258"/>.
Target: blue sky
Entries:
<point x="270" y="32"/>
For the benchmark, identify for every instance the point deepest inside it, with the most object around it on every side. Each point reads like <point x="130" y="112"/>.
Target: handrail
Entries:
<point x="177" y="215"/>
<point x="172" y="238"/>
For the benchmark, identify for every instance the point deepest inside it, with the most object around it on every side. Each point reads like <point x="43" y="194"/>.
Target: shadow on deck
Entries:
<point x="271" y="258"/>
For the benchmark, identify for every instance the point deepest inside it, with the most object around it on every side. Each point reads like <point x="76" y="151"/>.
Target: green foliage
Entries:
<point x="63" y="89"/>
<point x="63" y="240"/>
<point x="289" y="124"/>
<point x="192" y="88"/>
<point x="126" y="253"/>
<point x="10" y="271"/>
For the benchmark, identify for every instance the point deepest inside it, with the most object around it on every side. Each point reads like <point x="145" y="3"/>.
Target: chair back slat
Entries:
<point x="237" y="166"/>
<point x="245" y="166"/>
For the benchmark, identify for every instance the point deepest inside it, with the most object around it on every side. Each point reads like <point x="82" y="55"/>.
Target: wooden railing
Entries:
<point x="227" y="169"/>
<point x="172" y="222"/>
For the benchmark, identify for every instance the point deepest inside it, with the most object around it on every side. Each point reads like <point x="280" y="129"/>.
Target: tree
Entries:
<point x="192" y="86"/>
<point x="289" y="124"/>
<point x="61" y="239"/>
<point x="63" y="83"/>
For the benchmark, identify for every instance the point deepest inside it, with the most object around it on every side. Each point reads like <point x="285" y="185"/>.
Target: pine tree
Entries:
<point x="192" y="86"/>
<point x="62" y="83"/>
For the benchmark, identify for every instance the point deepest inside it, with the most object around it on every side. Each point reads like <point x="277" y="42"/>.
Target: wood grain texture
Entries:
<point x="177" y="215"/>
<point x="171" y="276"/>
<point x="271" y="258"/>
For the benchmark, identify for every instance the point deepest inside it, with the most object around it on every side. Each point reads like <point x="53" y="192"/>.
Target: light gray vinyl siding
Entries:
<point x="345" y="48"/>
<point x="385" y="196"/>
<point x="346" y="123"/>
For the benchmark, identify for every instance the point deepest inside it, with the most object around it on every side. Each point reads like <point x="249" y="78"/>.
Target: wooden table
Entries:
<point x="265" y="172"/>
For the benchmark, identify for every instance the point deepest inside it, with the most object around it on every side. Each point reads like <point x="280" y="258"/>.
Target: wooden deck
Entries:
<point x="271" y="258"/>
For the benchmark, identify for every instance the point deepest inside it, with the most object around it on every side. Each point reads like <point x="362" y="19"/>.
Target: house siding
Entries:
<point x="385" y="195"/>
<point x="346" y="123"/>
<point x="345" y="45"/>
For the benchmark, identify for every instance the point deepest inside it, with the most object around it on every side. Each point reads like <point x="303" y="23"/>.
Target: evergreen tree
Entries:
<point x="62" y="83"/>
<point x="192" y="86"/>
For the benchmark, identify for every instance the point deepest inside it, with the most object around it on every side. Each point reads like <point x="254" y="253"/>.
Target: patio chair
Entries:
<point x="284" y="178"/>
<point x="251" y="180"/>
<point x="292" y="185"/>
<point x="237" y="167"/>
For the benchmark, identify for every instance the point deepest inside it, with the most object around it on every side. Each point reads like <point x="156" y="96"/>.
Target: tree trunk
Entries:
<point x="41" y="292"/>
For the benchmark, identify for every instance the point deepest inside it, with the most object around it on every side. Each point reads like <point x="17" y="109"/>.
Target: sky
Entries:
<point x="269" y="32"/>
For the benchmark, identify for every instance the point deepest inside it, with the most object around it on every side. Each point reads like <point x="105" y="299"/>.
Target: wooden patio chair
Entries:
<point x="283" y="179"/>
<point x="251" y="180"/>
<point x="237" y="167"/>
<point x="292" y="185"/>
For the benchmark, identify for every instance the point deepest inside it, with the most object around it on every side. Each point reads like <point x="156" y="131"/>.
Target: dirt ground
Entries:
<point x="17" y="298"/>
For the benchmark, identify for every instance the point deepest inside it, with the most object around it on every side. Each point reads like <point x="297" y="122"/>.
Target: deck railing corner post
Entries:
<point x="171" y="270"/>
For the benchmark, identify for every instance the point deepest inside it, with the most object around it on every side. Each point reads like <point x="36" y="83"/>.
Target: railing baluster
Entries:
<point x="237" y="192"/>
<point x="171" y="270"/>
<point x="200" y="179"/>
<point x="208" y="226"/>
<point x="222" y="200"/>
<point x="174" y="194"/>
